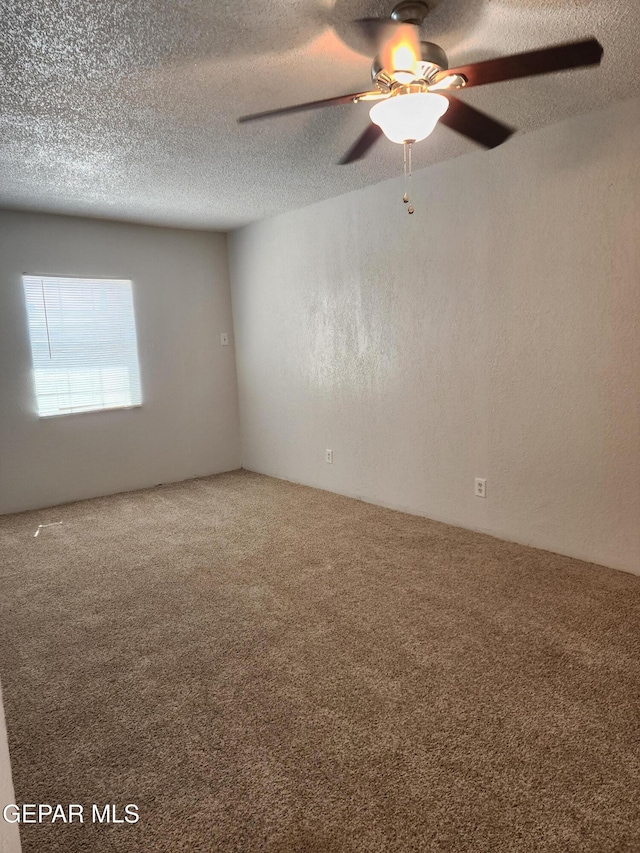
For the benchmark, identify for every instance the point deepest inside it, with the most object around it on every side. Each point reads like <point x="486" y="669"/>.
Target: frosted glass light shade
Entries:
<point x="409" y="118"/>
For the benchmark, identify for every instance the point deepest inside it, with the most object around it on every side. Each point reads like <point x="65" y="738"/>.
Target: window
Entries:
<point x="83" y="341"/>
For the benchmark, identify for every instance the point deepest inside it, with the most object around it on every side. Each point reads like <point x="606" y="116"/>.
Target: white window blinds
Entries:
<point x="83" y="340"/>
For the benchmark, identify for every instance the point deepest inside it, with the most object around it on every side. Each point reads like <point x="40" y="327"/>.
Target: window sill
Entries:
<point x="66" y="414"/>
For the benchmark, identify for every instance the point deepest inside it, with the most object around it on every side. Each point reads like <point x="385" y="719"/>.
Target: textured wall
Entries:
<point x="188" y="423"/>
<point x="492" y="334"/>
<point x="9" y="832"/>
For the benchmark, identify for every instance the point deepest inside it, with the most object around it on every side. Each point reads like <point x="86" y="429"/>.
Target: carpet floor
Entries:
<point x="260" y="666"/>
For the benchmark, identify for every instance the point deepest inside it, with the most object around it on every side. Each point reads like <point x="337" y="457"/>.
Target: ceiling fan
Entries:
<point x="414" y="84"/>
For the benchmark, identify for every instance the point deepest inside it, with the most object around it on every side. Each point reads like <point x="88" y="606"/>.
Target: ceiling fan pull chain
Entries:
<point x="405" y="197"/>
<point x="407" y="175"/>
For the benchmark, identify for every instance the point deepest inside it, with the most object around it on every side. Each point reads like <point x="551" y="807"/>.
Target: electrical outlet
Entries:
<point x="481" y="488"/>
<point x="224" y="339"/>
<point x="328" y="457"/>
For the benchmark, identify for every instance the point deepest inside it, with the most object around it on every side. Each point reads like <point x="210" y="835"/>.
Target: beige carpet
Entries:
<point x="261" y="666"/>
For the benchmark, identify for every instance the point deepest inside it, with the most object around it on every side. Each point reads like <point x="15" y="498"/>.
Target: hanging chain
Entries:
<point x="407" y="147"/>
<point x="405" y="197"/>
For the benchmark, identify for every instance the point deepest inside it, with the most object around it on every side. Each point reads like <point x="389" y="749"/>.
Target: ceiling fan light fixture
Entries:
<point x="404" y="77"/>
<point x="409" y="117"/>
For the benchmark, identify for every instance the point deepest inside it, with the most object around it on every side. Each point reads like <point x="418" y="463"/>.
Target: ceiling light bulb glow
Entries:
<point x="404" y="63"/>
<point x="404" y="76"/>
<point x="409" y="117"/>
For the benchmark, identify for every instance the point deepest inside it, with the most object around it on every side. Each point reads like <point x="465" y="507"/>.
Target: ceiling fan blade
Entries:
<point x="559" y="58"/>
<point x="361" y="146"/>
<point x="474" y="124"/>
<point x="298" y="108"/>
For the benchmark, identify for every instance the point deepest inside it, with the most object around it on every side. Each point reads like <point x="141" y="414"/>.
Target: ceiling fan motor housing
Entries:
<point x="410" y="12"/>
<point x="433" y="59"/>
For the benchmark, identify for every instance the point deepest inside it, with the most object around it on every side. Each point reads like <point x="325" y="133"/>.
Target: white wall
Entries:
<point x="495" y="333"/>
<point x="9" y="832"/>
<point x="188" y="423"/>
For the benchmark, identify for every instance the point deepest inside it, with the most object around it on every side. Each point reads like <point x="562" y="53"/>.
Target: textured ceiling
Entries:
<point x="126" y="109"/>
